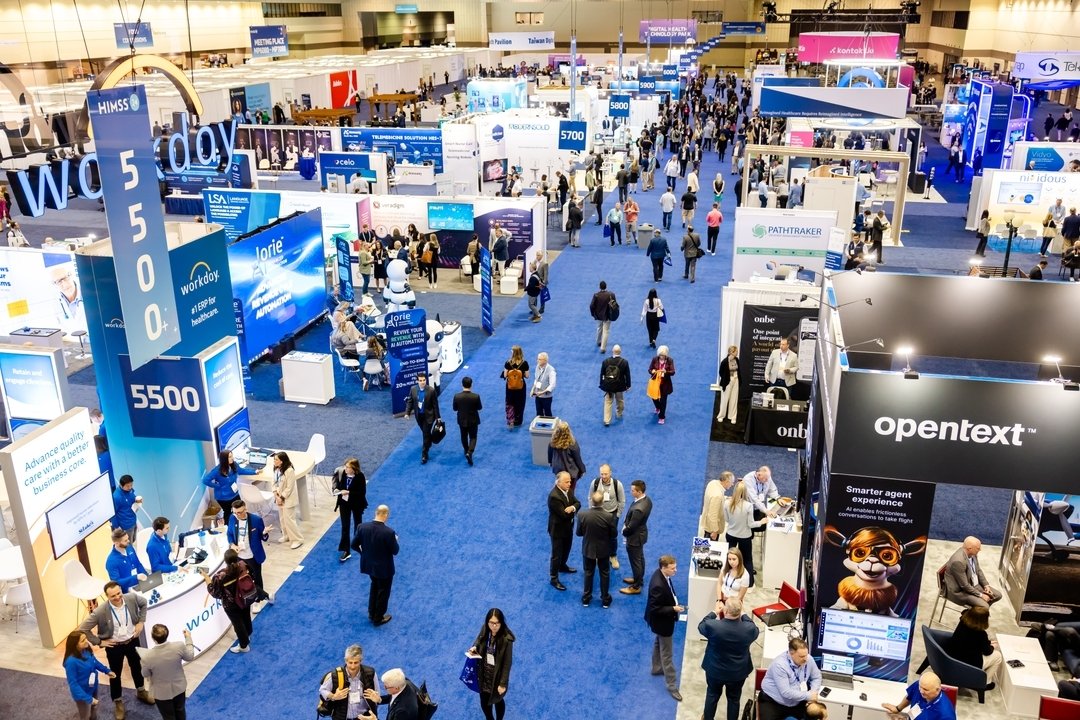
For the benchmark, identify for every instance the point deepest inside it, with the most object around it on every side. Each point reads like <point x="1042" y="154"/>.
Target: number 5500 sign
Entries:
<point x="166" y="398"/>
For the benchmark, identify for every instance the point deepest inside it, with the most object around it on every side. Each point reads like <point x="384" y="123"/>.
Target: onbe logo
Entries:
<point x="792" y="432"/>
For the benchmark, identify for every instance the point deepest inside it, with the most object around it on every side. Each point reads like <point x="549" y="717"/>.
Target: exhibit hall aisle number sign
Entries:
<point x="136" y="220"/>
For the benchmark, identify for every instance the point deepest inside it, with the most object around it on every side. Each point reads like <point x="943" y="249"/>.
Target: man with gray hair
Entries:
<point x="727" y="660"/>
<point x="400" y="695"/>
<point x="343" y="688"/>
<point x="597" y="528"/>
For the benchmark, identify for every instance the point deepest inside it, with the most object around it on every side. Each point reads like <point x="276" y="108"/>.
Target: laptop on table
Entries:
<point x="152" y="581"/>
<point x="837" y="671"/>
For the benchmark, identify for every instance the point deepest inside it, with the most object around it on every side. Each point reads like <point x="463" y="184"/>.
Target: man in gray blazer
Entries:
<point x="163" y="666"/>
<point x="965" y="583"/>
<point x="782" y="366"/>
<point x="116" y="626"/>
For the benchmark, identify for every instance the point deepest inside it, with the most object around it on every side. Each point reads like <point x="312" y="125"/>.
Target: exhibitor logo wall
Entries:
<point x="969" y="432"/>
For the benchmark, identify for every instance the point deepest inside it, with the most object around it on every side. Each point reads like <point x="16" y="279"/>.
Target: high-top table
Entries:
<point x="1021" y="687"/>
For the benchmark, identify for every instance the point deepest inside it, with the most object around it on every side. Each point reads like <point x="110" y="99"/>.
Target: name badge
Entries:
<point x="804" y="686"/>
<point x="234" y="488"/>
<point x="134" y="572"/>
<point x="914" y="711"/>
<point x="607" y="496"/>
<point x="490" y="659"/>
<point x="354" y="697"/>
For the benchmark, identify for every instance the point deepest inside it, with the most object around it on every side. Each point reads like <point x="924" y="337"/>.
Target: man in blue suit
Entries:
<point x="727" y="660"/>
<point x="377" y="544"/>
<point x="246" y="534"/>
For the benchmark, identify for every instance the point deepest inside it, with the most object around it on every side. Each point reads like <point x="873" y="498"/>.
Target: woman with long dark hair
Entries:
<point x="81" y="668"/>
<point x="240" y="617"/>
<point x="515" y="373"/>
<point x="651" y="312"/>
<point x="287" y="497"/>
<point x="224" y="480"/>
<point x="971" y="644"/>
<point x="495" y="648"/>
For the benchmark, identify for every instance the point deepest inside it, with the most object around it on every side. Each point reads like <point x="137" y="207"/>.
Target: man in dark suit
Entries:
<point x="596" y="528"/>
<point x="350" y="486"/>
<point x="423" y="403"/>
<point x="636" y="532"/>
<point x="614" y="381"/>
<point x="965" y="583"/>
<point x="562" y="505"/>
<point x="727" y="657"/>
<point x="467" y="405"/>
<point x="662" y="609"/>
<point x="377" y="544"/>
<point x="400" y="694"/>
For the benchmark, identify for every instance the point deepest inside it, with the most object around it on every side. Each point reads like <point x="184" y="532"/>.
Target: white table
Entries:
<point x="1022" y="687"/>
<point x="308" y="377"/>
<point x="303" y="463"/>
<point x="847" y="703"/>
<point x="780" y="554"/>
<point x="701" y="593"/>
<point x="774" y="643"/>
<point x="11" y="564"/>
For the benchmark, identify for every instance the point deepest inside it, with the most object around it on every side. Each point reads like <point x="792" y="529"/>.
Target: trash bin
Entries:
<point x="644" y="235"/>
<point x="918" y="183"/>
<point x="540" y="429"/>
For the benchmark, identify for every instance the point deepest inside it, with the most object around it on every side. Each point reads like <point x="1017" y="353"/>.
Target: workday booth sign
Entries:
<point x="768" y="238"/>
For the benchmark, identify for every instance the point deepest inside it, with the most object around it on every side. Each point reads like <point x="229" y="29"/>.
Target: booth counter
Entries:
<point x="701" y="591"/>
<point x="781" y="553"/>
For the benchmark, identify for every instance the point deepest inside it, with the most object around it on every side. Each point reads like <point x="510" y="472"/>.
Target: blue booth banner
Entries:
<point x="278" y="279"/>
<point x="34" y="388"/>
<point x="669" y="72"/>
<point x="137" y="35"/>
<point x="240" y="171"/>
<point x="165" y="399"/>
<point x="406" y="344"/>
<point x="487" y="320"/>
<point x="240" y="212"/>
<point x="136" y="220"/>
<point x="987" y="123"/>
<point x="346" y="164"/>
<point x="619" y="106"/>
<point x="647" y="85"/>
<point x="572" y="135"/>
<point x="417" y="145"/>
<point x="671" y="31"/>
<point x="743" y="28"/>
<point x="269" y="41"/>
<point x="342" y="247"/>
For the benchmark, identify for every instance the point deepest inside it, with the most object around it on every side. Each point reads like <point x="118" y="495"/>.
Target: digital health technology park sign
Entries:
<point x="667" y="30"/>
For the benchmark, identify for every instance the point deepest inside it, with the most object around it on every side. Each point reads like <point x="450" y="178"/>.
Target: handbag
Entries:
<point x="653" y="388"/>
<point x="425" y="257"/>
<point x="470" y="673"/>
<point x="607" y="230"/>
<point x="545" y="295"/>
<point x="661" y="316"/>
<point x="438" y="431"/>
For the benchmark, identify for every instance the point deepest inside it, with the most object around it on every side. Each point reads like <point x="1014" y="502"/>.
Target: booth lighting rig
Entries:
<point x="907" y="13"/>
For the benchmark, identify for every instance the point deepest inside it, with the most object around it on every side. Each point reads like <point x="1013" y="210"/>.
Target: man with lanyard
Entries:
<point x="760" y="490"/>
<point x="365" y="235"/>
<point x="792" y="680"/>
<point x="614" y="503"/>
<point x="923" y="699"/>
<point x="116" y="626"/>
<point x="246" y="533"/>
<point x="347" y="700"/>
<point x="122" y="564"/>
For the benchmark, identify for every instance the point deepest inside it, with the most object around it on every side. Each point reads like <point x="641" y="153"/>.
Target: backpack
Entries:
<point x="612" y="377"/>
<point x="515" y="379"/>
<point x="325" y="708"/>
<point x="613" y="309"/>
<point x="245" y="591"/>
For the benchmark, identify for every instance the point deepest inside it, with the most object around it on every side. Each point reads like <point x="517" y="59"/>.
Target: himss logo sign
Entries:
<point x="965" y="431"/>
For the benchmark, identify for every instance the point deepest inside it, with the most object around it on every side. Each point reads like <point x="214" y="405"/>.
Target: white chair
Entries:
<point x="890" y="183"/>
<point x="142" y="539"/>
<point x="81" y="584"/>
<point x="255" y="498"/>
<point x="18" y="596"/>
<point x="349" y="366"/>
<point x="264" y="164"/>
<point x="373" y="372"/>
<point x="317" y="449"/>
<point x="290" y="165"/>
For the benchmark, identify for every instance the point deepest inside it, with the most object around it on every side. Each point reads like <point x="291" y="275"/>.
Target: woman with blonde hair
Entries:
<point x="739" y="518"/>
<point x="734" y="579"/>
<point x="515" y="373"/>
<point x="431" y="253"/>
<point x="565" y="454"/>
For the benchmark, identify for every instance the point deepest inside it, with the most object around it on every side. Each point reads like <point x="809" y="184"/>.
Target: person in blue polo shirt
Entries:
<point x="125" y="503"/>
<point x="925" y="695"/>
<point x="159" y="549"/>
<point x="223" y="479"/>
<point x="123" y="564"/>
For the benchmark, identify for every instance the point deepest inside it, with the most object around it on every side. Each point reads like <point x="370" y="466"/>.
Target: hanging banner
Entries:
<point x="521" y="41"/>
<point x="669" y="72"/>
<point x="137" y="35"/>
<point x="651" y="31"/>
<point x="1047" y="68"/>
<point x="743" y="28"/>
<point x="269" y="41"/>
<point x="830" y="102"/>
<point x="821" y="46"/>
<point x="572" y="135"/>
<point x="869" y="571"/>
<point x="416" y="145"/>
<point x="128" y="171"/>
<point x="619" y="106"/>
<point x="166" y="399"/>
<point x="646" y="85"/>
<point x="487" y="320"/>
<point x="763" y="328"/>
<point x="406" y="344"/>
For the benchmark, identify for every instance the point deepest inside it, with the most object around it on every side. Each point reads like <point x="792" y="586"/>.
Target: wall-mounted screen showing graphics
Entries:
<point x="450" y="216"/>
<point x="858" y="633"/>
<point x="235" y="434"/>
<point x="494" y="170"/>
<point x="74" y="518"/>
<point x="224" y="382"/>
<point x="279" y="283"/>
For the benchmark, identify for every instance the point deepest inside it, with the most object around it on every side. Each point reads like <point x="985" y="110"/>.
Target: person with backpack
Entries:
<point x="602" y="307"/>
<point x="246" y="534"/>
<point x="613" y="501"/>
<point x="234" y="587"/>
<point x="341" y="692"/>
<point x="494" y="647"/>
<point x="515" y="373"/>
<point x="614" y="381"/>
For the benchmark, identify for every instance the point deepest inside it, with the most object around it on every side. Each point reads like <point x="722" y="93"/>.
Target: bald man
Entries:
<point x="926" y="695"/>
<point x="965" y="583"/>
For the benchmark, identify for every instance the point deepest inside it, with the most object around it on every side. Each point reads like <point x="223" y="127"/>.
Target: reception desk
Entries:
<point x="181" y="602"/>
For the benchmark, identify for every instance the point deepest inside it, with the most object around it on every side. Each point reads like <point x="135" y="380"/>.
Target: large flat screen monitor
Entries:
<point x="74" y="518"/>
<point x="856" y="633"/>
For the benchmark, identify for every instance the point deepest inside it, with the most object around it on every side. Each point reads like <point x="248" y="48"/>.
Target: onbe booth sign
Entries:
<point x="619" y="106"/>
<point x="572" y="135"/>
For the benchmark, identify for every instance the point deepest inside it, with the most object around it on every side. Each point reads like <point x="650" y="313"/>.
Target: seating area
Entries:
<point x="949" y="669"/>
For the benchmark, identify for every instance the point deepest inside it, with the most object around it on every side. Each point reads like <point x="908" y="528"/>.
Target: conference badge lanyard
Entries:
<point x="801" y="674"/>
<point x="355" y="688"/>
<point x="126" y="625"/>
<point x="490" y="655"/>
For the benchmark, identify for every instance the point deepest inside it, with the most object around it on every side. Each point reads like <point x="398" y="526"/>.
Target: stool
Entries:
<point x="82" y="347"/>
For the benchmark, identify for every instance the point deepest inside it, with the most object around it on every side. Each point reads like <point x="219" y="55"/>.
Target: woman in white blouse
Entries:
<point x="286" y="498"/>
<point x="739" y="516"/>
<point x="734" y="580"/>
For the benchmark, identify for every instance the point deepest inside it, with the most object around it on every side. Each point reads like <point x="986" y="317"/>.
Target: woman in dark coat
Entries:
<point x="970" y="644"/>
<point x="495" y="648"/>
<point x="379" y="259"/>
<point x="662" y="366"/>
<point x="564" y="454"/>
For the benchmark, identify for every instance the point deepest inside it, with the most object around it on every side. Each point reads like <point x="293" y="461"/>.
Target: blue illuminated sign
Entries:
<point x="406" y="9"/>
<point x="224" y="382"/>
<point x="743" y="28"/>
<point x="450" y="216"/>
<point x="137" y="35"/>
<point x="136" y="220"/>
<point x="487" y="318"/>
<point x="669" y="72"/>
<point x="572" y="135"/>
<point x="269" y="41"/>
<point x="647" y="85"/>
<point x="406" y="344"/>
<point x="619" y="106"/>
<point x="165" y="399"/>
<point x="417" y="145"/>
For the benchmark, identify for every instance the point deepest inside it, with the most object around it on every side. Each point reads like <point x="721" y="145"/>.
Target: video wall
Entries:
<point x="278" y="281"/>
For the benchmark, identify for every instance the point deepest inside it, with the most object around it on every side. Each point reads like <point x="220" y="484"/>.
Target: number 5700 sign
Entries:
<point x="572" y="135"/>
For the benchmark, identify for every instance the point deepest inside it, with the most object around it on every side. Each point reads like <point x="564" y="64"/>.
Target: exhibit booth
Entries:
<point x="1027" y="195"/>
<point x="939" y="402"/>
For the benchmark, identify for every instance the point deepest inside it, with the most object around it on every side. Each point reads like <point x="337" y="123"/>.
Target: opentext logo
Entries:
<point x="955" y="430"/>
